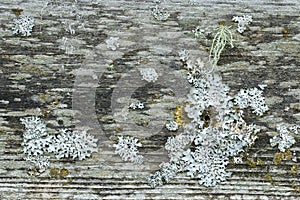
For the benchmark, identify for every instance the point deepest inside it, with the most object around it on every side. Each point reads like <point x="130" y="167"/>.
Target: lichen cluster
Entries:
<point x="207" y="143"/>
<point x="38" y="144"/>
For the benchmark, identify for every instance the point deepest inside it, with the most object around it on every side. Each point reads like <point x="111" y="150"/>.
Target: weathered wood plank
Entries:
<point x="32" y="77"/>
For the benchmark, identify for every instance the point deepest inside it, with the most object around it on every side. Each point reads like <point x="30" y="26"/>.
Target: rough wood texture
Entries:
<point x="99" y="82"/>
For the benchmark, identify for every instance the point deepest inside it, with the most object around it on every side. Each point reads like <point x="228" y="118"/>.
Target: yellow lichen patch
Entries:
<point x="288" y="155"/>
<point x="280" y="156"/>
<point x="285" y="32"/>
<point x="157" y="96"/>
<point x="17" y="11"/>
<point x="294" y="169"/>
<point x="34" y="171"/>
<point x="58" y="173"/>
<point x="118" y="129"/>
<point x="63" y="173"/>
<point x="296" y="107"/>
<point x="269" y="178"/>
<point x="295" y="186"/>
<point x="251" y="162"/>
<point x="34" y="70"/>
<point x="177" y="115"/>
<point x="55" y="103"/>
<point x="42" y="97"/>
<point x="221" y="23"/>
<point x="180" y="116"/>
<point x="45" y="112"/>
<point x="260" y="162"/>
<point x="54" y="173"/>
<point x="152" y="101"/>
<point x="70" y="180"/>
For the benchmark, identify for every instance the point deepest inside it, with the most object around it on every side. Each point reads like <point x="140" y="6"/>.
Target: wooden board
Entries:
<point x="75" y="81"/>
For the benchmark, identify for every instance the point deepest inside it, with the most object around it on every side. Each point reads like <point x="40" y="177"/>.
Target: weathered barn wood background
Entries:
<point x="75" y="80"/>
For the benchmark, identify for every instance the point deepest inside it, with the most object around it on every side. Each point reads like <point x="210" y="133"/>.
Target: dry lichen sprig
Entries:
<point x="222" y="37"/>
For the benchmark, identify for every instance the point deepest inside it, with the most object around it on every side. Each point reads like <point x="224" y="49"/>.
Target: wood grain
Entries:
<point x="93" y="79"/>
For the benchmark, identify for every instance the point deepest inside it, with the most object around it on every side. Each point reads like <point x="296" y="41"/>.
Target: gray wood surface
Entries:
<point x="80" y="83"/>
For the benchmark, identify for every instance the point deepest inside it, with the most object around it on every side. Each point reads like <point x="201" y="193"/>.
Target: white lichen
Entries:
<point x="159" y="14"/>
<point x="136" y="105"/>
<point x="198" y="32"/>
<point x="284" y="139"/>
<point x="149" y="74"/>
<point x="41" y="163"/>
<point x="73" y="144"/>
<point x="217" y="130"/>
<point x="34" y="128"/>
<point x="294" y="129"/>
<point x="23" y="25"/>
<point x="242" y="22"/>
<point x="184" y="55"/>
<point x="167" y="172"/>
<point x="237" y="160"/>
<point x="251" y="98"/>
<point x="38" y="144"/>
<point x="127" y="148"/>
<point x="172" y="126"/>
